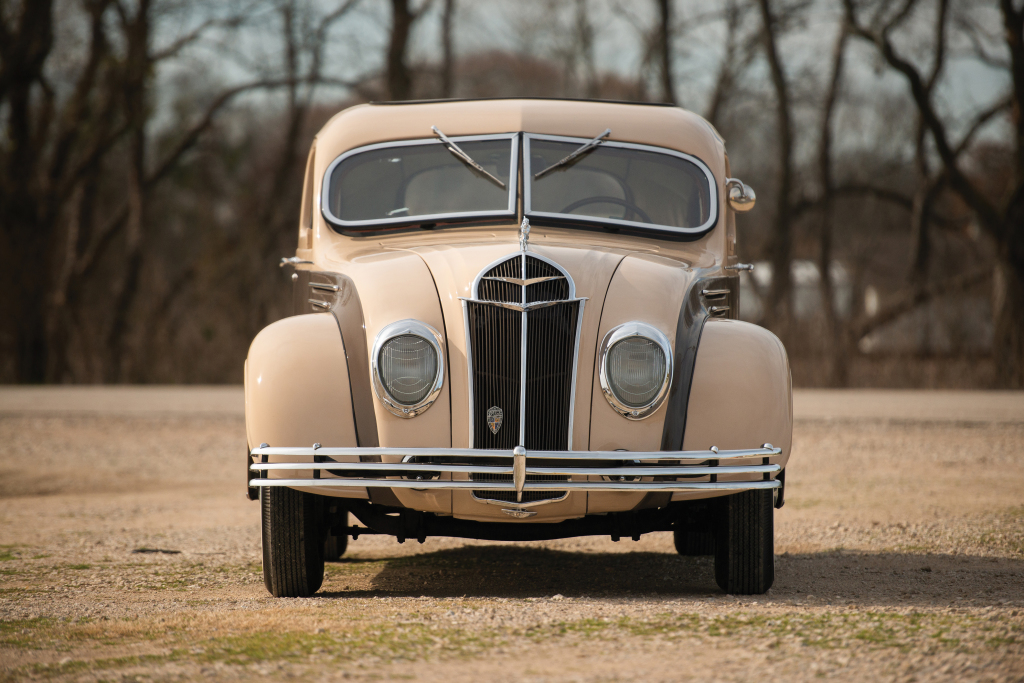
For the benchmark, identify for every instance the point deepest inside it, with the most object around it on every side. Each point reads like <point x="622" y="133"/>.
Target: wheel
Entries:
<point x="694" y="543"/>
<point x="335" y="546"/>
<point x="745" y="543"/>
<point x="293" y="542"/>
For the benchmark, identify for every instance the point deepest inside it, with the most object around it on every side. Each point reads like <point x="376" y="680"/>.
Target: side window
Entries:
<point x="306" y="211"/>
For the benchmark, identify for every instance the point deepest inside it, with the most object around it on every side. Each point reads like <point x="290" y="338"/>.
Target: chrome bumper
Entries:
<point x="424" y="469"/>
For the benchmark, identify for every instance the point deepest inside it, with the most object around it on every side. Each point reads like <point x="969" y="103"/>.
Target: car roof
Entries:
<point x="650" y="124"/>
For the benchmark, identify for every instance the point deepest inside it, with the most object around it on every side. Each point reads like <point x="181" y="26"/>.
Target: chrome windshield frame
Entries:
<point x="576" y="218"/>
<point x="511" y="189"/>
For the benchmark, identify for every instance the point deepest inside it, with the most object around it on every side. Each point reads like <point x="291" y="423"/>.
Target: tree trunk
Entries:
<point x="447" y="50"/>
<point x="1008" y="312"/>
<point x="782" y="241"/>
<point x="399" y="80"/>
<point x="668" y="87"/>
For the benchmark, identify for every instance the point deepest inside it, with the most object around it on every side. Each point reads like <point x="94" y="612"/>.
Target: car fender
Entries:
<point x="297" y="388"/>
<point x="741" y="395"/>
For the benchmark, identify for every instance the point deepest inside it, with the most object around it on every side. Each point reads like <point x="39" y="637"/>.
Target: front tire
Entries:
<point x="745" y="543"/>
<point x="293" y="542"/>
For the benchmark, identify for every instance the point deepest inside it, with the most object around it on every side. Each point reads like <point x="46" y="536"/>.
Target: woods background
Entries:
<point x="151" y="154"/>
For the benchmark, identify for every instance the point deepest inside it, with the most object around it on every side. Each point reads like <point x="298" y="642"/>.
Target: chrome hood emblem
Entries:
<point x="518" y="513"/>
<point x="494" y="418"/>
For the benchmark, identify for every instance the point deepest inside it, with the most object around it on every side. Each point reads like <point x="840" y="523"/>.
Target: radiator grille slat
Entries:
<point x="495" y="345"/>
<point x="495" y="339"/>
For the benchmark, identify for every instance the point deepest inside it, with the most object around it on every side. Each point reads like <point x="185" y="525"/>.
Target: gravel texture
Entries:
<point x="128" y="552"/>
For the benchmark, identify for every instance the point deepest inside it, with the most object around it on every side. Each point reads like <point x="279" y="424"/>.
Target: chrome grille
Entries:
<point x="523" y="328"/>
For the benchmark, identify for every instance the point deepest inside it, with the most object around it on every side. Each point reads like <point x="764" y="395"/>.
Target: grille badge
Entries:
<point x="518" y="513"/>
<point x="494" y="417"/>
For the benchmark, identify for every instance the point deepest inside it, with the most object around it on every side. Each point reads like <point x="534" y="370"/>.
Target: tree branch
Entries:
<point x="907" y="300"/>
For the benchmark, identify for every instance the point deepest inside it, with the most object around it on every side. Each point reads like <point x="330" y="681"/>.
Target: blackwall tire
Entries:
<point x="335" y="546"/>
<point x="694" y="543"/>
<point x="293" y="542"/>
<point x="745" y="543"/>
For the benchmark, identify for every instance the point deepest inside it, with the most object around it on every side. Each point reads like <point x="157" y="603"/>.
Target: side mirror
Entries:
<point x="741" y="196"/>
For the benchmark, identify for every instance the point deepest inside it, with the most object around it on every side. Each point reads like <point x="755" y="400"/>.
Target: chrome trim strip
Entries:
<point x="699" y="163"/>
<point x="714" y="293"/>
<point x="325" y="187"/>
<point x="527" y="504"/>
<point x="518" y="471"/>
<point x="526" y="283"/>
<point x="575" y="369"/>
<point x="522" y="360"/>
<point x="324" y="287"/>
<point x="617" y="334"/>
<point x="325" y="305"/>
<point x="767" y="451"/>
<point x="524" y="308"/>
<point x="480" y="276"/>
<point x="469" y="365"/>
<point x="424" y="332"/>
<point x="673" y="486"/>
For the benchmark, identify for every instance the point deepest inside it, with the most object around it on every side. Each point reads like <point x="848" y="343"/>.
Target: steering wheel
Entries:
<point x="630" y="207"/>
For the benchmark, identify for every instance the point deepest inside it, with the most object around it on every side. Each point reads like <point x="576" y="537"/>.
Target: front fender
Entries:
<point x="741" y="395"/>
<point x="297" y="387"/>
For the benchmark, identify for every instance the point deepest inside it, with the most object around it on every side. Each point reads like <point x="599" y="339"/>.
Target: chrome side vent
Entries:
<point x="324" y="292"/>
<point x="719" y="303"/>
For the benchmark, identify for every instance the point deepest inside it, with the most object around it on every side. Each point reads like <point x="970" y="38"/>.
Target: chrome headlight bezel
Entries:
<point x="634" y="329"/>
<point x="398" y="329"/>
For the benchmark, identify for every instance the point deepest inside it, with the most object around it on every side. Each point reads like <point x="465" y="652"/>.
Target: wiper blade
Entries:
<point x="457" y="151"/>
<point x="582" y="150"/>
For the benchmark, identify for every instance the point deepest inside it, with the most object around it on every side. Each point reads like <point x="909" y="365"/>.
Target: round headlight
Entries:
<point x="407" y="367"/>
<point x="636" y="366"/>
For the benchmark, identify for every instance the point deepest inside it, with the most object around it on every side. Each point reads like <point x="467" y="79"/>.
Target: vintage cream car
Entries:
<point x="515" y="320"/>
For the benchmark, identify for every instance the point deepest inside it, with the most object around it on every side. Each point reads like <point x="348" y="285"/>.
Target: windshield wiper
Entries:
<point x="457" y="151"/>
<point x="582" y="150"/>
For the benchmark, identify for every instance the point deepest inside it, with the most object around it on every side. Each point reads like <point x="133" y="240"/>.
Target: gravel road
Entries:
<point x="128" y="552"/>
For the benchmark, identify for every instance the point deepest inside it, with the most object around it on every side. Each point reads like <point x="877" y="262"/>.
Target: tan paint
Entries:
<point x="742" y="391"/>
<point x="421" y="275"/>
<point x="297" y="389"/>
<point x="668" y="127"/>
<point x="649" y="289"/>
<point x="393" y="286"/>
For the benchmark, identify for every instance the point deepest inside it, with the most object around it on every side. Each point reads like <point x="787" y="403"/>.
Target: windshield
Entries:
<point x="432" y="180"/>
<point x="419" y="180"/>
<point x="618" y="183"/>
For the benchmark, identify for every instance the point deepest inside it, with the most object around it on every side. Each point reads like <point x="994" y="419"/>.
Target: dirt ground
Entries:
<point x="128" y="552"/>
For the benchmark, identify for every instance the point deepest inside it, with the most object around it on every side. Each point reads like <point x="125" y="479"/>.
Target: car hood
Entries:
<point x="392" y="281"/>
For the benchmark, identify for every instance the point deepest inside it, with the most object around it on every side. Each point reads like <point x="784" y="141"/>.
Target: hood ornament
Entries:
<point x="524" y="235"/>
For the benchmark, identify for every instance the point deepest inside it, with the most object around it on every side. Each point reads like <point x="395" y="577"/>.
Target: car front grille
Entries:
<point x="523" y="290"/>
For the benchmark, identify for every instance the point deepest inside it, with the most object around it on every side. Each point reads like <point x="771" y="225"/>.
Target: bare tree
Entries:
<point x="447" y="49"/>
<point x="782" y="241"/>
<point x="835" y="338"/>
<point x="1002" y="218"/>
<point x="399" y="76"/>
<point x="664" y="50"/>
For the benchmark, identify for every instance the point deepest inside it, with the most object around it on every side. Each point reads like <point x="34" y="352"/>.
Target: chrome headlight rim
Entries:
<point x="398" y="329"/>
<point x="625" y="331"/>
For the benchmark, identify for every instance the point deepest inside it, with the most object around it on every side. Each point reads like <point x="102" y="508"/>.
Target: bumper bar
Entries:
<point x="422" y="468"/>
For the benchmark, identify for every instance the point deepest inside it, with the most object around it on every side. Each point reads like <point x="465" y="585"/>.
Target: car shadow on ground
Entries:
<point x="833" y="577"/>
